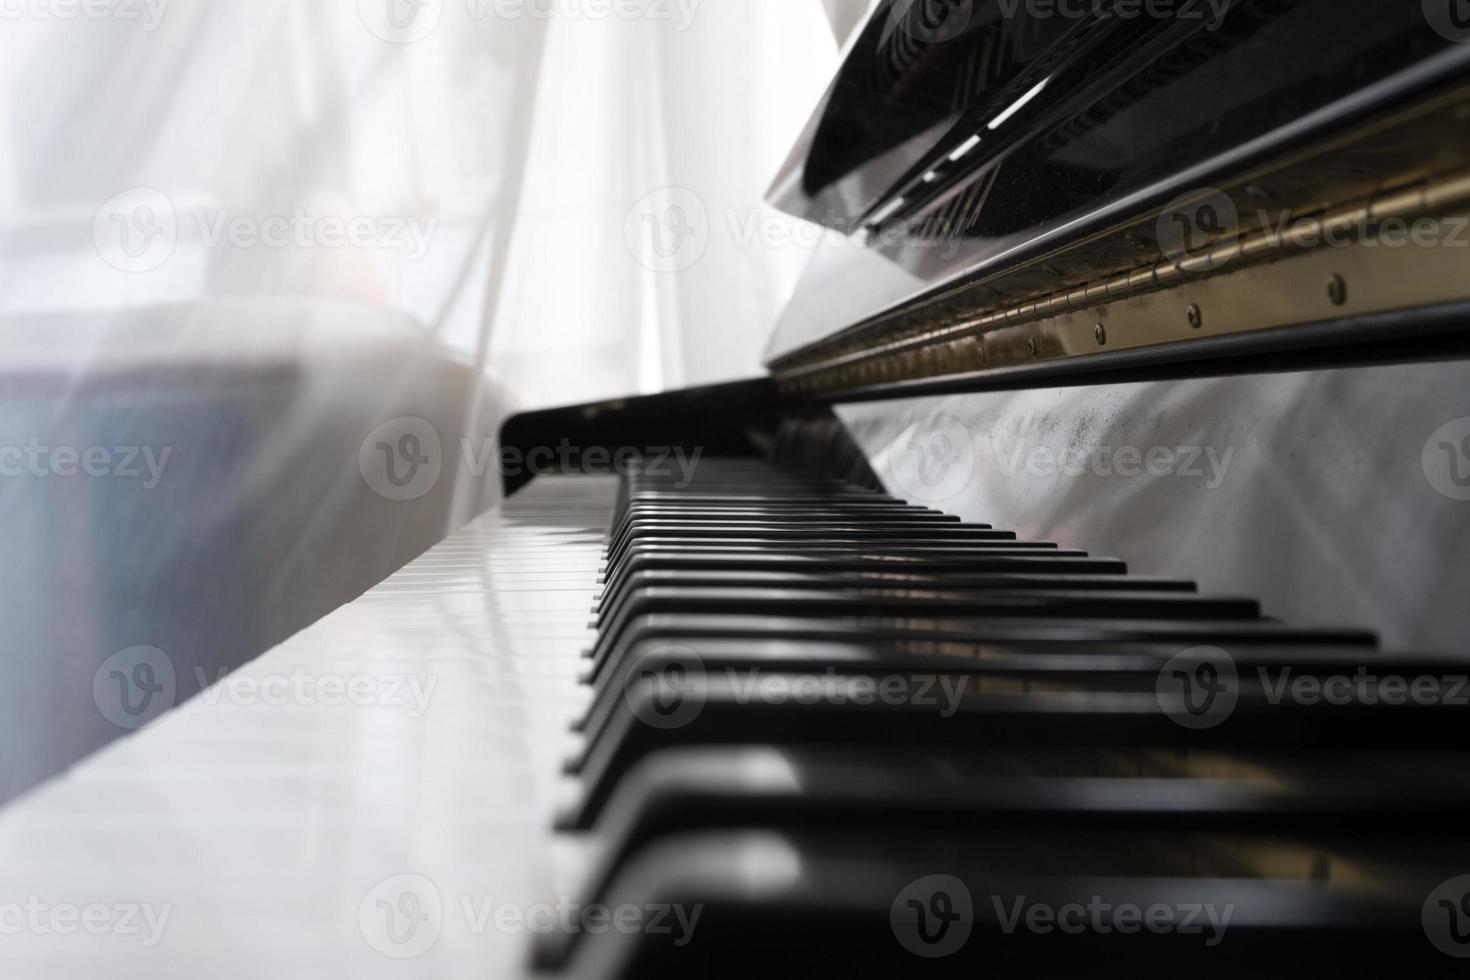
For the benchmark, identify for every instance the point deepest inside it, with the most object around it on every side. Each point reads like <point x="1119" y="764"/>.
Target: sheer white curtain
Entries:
<point x="500" y="167"/>
<point x="253" y="233"/>
<point x="643" y="258"/>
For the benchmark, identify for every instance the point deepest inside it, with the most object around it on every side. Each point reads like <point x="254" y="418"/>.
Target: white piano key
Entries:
<point x="260" y="817"/>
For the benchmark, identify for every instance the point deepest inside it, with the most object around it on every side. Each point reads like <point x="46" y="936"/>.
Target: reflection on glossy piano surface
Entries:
<point x="1085" y="586"/>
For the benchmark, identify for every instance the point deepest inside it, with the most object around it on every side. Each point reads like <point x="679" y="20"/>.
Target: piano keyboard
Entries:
<point x="810" y="730"/>
<point x="864" y="738"/>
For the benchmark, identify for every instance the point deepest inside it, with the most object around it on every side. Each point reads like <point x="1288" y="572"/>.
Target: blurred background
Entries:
<point x="246" y="246"/>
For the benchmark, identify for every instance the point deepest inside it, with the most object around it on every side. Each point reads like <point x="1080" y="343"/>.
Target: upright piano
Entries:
<point x="1085" y="587"/>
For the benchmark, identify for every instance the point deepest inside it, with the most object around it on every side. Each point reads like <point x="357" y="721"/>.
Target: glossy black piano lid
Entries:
<point x="1078" y="107"/>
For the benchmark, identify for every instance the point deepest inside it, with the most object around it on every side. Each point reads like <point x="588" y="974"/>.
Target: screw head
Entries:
<point x="1337" y="290"/>
<point x="1196" y="318"/>
<point x="1101" y="333"/>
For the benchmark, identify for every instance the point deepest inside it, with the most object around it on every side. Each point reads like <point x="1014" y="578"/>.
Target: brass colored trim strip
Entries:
<point x="1274" y="282"/>
<point x="1301" y="234"/>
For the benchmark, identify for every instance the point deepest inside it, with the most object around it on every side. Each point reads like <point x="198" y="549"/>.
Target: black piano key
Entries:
<point x="803" y="544"/>
<point x="692" y="630"/>
<point x="877" y="510"/>
<point x="815" y="903"/>
<point x="812" y="537"/>
<point x="705" y="708"/>
<point x="919" y="527"/>
<point x="1124" y="664"/>
<point x="861" y="530"/>
<point x="890" y="555"/>
<point x="846" y="581"/>
<point x="989" y="561"/>
<point x="983" y="790"/>
<point x="949" y="602"/>
<point x="758" y="786"/>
